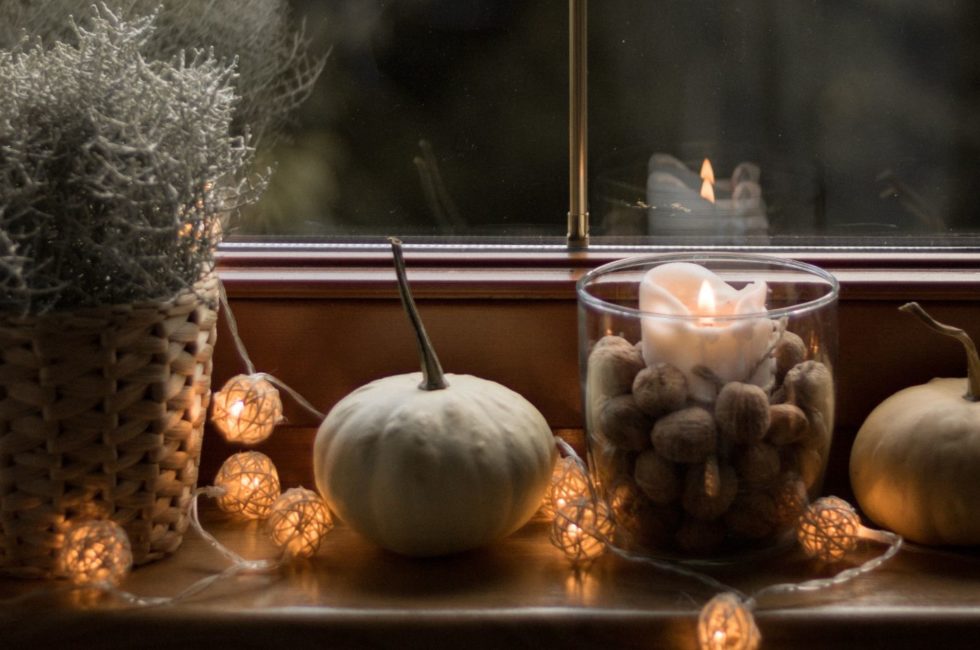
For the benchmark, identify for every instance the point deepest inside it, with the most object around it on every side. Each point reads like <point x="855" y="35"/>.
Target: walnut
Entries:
<point x="818" y="433"/>
<point x="623" y="424"/>
<point x="657" y="477"/>
<point x="757" y="464"/>
<point x="810" y="386"/>
<point x="787" y="424"/>
<point x="697" y="498"/>
<point x="807" y="463"/>
<point x="660" y="389"/>
<point x="685" y="436"/>
<point x="742" y="412"/>
<point x="613" y="365"/>
<point x="789" y="351"/>
<point x="790" y="498"/>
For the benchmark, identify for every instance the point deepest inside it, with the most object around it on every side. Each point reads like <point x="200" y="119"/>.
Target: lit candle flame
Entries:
<point x="706" y="304"/>
<point x="706" y="299"/>
<point x="707" y="192"/>
<point x="707" y="171"/>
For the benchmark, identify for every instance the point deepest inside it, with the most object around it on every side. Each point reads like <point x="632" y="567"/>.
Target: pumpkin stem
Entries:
<point x="973" y="361"/>
<point x="432" y="375"/>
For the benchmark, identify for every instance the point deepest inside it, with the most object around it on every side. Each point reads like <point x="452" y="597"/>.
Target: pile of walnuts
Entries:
<point x="692" y="478"/>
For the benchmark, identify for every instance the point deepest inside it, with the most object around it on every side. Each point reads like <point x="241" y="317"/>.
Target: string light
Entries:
<point x="247" y="409"/>
<point x="828" y="529"/>
<point x="299" y="521"/>
<point x="250" y="485"/>
<point x="726" y="623"/>
<point x="568" y="483"/>
<point x="95" y="552"/>
<point x="580" y="528"/>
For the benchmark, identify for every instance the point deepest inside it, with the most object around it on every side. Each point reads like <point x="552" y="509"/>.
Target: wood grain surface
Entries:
<point x="518" y="593"/>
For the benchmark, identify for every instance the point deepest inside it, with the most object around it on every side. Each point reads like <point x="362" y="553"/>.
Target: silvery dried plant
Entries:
<point x="115" y="170"/>
<point x="276" y="70"/>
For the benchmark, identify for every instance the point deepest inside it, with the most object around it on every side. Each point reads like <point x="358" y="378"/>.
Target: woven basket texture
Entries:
<point x="102" y="413"/>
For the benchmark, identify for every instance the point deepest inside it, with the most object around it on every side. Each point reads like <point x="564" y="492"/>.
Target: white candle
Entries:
<point x="735" y="350"/>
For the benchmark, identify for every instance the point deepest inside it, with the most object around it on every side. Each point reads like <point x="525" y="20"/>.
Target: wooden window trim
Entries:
<point x="327" y="322"/>
<point x="520" y="274"/>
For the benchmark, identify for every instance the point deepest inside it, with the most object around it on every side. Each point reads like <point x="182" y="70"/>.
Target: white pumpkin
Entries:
<point x="915" y="463"/>
<point x="436" y="467"/>
<point x="432" y="472"/>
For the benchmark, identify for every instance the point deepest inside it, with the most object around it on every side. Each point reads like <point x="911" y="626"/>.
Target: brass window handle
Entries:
<point x="578" y="130"/>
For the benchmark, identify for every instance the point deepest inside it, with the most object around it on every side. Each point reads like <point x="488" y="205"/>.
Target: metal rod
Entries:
<point x="578" y="132"/>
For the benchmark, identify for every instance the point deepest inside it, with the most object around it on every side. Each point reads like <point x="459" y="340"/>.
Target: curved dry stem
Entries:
<point x="432" y="375"/>
<point x="973" y="361"/>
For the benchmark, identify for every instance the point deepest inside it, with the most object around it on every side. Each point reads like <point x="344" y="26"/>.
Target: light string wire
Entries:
<point x="894" y="545"/>
<point x="893" y="541"/>
<point x="239" y="566"/>
<point x="233" y="329"/>
<point x="247" y="360"/>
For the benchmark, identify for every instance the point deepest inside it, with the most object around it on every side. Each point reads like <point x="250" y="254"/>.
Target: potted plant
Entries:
<point x="116" y="171"/>
<point x="275" y="69"/>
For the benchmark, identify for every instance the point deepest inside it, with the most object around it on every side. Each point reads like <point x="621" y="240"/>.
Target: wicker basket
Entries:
<point x="101" y="414"/>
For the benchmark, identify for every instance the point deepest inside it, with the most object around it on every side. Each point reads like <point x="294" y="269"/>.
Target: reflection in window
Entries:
<point x="432" y="117"/>
<point x="857" y="121"/>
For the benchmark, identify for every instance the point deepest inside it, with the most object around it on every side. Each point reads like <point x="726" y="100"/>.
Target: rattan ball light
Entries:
<point x="580" y="529"/>
<point x="299" y="521"/>
<point x="726" y="623"/>
<point x="568" y="483"/>
<point x="828" y="529"/>
<point x="247" y="409"/>
<point x="95" y="551"/>
<point x="250" y="483"/>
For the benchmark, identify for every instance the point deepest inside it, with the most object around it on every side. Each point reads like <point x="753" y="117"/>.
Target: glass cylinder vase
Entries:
<point x="708" y="385"/>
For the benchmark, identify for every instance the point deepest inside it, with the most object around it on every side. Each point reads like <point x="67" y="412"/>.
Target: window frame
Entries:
<point x="327" y="319"/>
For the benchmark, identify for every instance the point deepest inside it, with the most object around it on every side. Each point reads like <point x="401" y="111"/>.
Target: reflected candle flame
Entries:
<point x="708" y="192"/>
<point x="707" y="172"/>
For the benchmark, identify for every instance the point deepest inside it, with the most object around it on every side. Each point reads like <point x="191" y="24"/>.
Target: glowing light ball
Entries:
<point x="568" y="483"/>
<point x="828" y="529"/>
<point x="299" y="521"/>
<point x="251" y="485"/>
<point x="94" y="552"/>
<point x="580" y="529"/>
<point x="726" y="623"/>
<point x="247" y="409"/>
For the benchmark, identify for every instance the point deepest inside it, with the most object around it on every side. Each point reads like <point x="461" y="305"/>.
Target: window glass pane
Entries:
<point x="858" y="121"/>
<point x="431" y="117"/>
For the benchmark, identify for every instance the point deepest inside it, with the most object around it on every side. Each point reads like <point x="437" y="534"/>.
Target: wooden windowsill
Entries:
<point x="519" y="593"/>
<point x="327" y="326"/>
